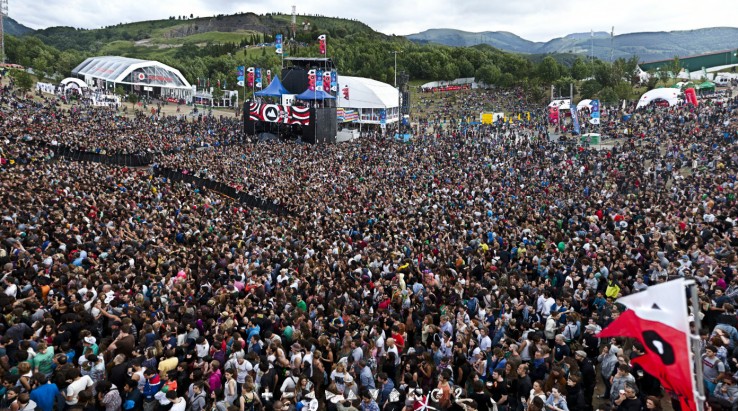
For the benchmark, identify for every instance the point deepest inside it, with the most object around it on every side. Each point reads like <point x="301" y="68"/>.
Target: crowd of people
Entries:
<point x="108" y="131"/>
<point x="458" y="271"/>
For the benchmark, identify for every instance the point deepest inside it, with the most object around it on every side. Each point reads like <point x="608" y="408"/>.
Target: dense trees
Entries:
<point x="353" y="46"/>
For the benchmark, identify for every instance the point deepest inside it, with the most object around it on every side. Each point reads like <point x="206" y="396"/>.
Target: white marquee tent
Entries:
<point x="71" y="83"/>
<point x="584" y="103"/>
<point x="670" y="95"/>
<point x="369" y="97"/>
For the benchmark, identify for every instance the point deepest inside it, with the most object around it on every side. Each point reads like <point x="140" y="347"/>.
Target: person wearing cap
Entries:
<point x="589" y="376"/>
<point x="590" y="342"/>
<point x="89" y="346"/>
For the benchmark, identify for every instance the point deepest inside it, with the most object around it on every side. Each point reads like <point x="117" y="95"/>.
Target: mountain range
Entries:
<point x="14" y="28"/>
<point x="648" y="46"/>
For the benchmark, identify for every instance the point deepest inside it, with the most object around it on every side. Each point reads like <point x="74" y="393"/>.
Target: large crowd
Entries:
<point x="108" y="131"/>
<point x="464" y="271"/>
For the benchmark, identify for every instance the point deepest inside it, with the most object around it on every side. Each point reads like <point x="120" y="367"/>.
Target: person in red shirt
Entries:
<point x="397" y="335"/>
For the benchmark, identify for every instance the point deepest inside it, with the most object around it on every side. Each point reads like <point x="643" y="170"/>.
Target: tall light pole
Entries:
<point x="395" y="53"/>
<point x="399" y="95"/>
<point x="3" y="13"/>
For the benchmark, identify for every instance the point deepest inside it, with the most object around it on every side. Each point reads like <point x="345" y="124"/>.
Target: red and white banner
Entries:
<point x="321" y="44"/>
<point x="658" y="319"/>
<point x="278" y="113"/>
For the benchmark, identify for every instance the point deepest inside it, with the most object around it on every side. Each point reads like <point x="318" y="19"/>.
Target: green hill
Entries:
<point x="648" y="46"/>
<point x="14" y="28"/>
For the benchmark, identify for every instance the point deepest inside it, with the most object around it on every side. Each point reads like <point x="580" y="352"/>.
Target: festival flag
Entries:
<point x="250" y="77"/>
<point x="594" y="112"/>
<point x="269" y="76"/>
<point x="327" y="81"/>
<point x="345" y="92"/>
<point x="257" y="77"/>
<point x="311" y="80"/>
<point x="657" y="317"/>
<point x="278" y="44"/>
<point x="334" y="81"/>
<point x="319" y="80"/>
<point x="321" y="44"/>
<point x="240" y="72"/>
<point x="574" y="118"/>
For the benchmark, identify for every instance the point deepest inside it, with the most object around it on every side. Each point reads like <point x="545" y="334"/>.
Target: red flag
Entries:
<point x="345" y="92"/>
<point x="321" y="43"/>
<point x="657" y="318"/>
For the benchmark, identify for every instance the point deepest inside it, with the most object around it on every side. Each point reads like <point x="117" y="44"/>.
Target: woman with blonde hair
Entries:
<point x="249" y="400"/>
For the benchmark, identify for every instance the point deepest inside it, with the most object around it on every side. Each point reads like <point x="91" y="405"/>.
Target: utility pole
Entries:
<point x="399" y="94"/>
<point x="3" y="13"/>
<point x="395" y="53"/>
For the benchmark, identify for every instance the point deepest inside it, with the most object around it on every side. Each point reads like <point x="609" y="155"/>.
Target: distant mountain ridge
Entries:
<point x="648" y="46"/>
<point x="14" y="28"/>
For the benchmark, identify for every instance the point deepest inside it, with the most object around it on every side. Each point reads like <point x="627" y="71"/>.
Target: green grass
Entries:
<point x="208" y="37"/>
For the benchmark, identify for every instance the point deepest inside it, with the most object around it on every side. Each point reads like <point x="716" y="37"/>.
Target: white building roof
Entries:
<point x="366" y="93"/>
<point x="131" y="71"/>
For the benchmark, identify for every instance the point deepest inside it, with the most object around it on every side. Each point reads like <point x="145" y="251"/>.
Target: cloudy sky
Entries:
<point x="537" y="20"/>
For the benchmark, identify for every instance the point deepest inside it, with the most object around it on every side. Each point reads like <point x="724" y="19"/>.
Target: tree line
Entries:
<point x="357" y="52"/>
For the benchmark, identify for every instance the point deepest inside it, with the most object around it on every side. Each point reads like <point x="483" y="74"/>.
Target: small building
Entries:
<point x="144" y="77"/>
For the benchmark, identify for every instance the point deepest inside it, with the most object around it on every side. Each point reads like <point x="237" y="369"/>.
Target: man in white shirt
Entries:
<point x="178" y="403"/>
<point x="79" y="384"/>
<point x="485" y="343"/>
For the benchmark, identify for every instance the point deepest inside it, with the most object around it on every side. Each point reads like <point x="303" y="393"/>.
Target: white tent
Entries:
<point x="73" y="83"/>
<point x="369" y="98"/>
<point x="562" y="104"/>
<point x="670" y="95"/>
<point x="584" y="103"/>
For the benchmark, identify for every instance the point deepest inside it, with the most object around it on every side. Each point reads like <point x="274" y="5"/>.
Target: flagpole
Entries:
<point x="699" y="395"/>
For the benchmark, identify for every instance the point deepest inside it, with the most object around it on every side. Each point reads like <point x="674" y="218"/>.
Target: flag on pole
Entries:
<point x="269" y="76"/>
<point x="327" y="81"/>
<point x="278" y="44"/>
<point x="657" y="317"/>
<point x="250" y="77"/>
<point x="334" y="81"/>
<point x="319" y="80"/>
<point x="345" y="92"/>
<point x="257" y="77"/>
<point x="595" y="112"/>
<point x="311" y="80"/>
<point x="240" y="73"/>
<point x="321" y="44"/>
<point x="574" y="118"/>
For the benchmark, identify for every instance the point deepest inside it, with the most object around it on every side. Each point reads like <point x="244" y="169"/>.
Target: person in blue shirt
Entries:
<point x="368" y="403"/>
<point x="45" y="394"/>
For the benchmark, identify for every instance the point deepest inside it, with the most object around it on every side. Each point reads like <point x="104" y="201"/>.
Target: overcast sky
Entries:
<point x="537" y="20"/>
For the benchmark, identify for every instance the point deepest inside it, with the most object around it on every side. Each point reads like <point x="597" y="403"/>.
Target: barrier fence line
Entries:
<point x="145" y="160"/>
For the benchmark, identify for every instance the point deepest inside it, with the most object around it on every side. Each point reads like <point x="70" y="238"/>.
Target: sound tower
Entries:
<point x="323" y="126"/>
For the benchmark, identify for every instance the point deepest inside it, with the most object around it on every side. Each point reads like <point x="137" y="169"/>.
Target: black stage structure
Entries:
<point x="309" y="112"/>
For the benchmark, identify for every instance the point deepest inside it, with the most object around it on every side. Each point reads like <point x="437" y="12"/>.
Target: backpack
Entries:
<point x="612" y="290"/>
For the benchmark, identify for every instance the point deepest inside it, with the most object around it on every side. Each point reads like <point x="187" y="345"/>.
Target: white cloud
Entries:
<point x="537" y="20"/>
